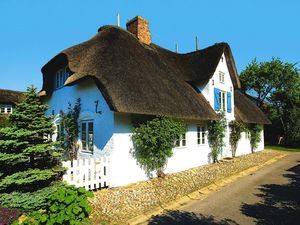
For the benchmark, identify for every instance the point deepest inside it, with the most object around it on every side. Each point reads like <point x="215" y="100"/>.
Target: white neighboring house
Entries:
<point x="120" y="77"/>
<point x="8" y="100"/>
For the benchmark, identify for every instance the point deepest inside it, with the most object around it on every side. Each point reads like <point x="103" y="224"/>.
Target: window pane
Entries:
<point x="2" y="108"/>
<point x="83" y="135"/>
<point x="183" y="141"/>
<point x="198" y="135"/>
<point x="177" y="143"/>
<point x="8" y="109"/>
<point x="61" y="78"/>
<point x="57" y="80"/>
<point x="223" y="95"/>
<point x="91" y="136"/>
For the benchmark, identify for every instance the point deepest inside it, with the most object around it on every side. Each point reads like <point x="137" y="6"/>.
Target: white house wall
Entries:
<point x="191" y="155"/>
<point x="88" y="93"/>
<point x="208" y="92"/>
<point x="244" y="146"/>
<point x="123" y="167"/>
<point x="112" y="131"/>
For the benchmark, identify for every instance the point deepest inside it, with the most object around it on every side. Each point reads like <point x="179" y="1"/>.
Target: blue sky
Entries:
<point x="33" y="31"/>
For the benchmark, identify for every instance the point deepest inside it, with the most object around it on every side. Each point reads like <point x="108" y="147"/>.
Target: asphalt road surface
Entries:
<point x="269" y="196"/>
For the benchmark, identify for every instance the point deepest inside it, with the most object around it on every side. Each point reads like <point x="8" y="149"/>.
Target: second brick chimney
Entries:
<point x="140" y="28"/>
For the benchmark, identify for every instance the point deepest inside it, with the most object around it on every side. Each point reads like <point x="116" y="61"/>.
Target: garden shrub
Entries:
<point x="153" y="143"/>
<point x="67" y="206"/>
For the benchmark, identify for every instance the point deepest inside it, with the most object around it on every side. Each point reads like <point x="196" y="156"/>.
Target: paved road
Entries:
<point x="269" y="196"/>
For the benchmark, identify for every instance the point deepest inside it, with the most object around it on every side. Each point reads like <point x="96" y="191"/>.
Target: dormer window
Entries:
<point x="222" y="77"/>
<point x="61" y="76"/>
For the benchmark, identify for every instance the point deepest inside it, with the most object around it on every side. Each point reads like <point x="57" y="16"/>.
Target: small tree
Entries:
<point x="216" y="133"/>
<point x="255" y="135"/>
<point x="236" y="129"/>
<point x="29" y="162"/>
<point x="153" y="142"/>
<point x="70" y="124"/>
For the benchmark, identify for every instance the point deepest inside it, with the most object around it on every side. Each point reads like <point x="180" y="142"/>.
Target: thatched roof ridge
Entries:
<point x="199" y="66"/>
<point x="10" y="96"/>
<point x="246" y="111"/>
<point x="133" y="77"/>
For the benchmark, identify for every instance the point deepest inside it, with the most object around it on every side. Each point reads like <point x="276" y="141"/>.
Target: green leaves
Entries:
<point x="29" y="160"/>
<point x="70" y="124"/>
<point x="26" y="177"/>
<point x="236" y="129"/>
<point x="68" y="205"/>
<point x="255" y="135"/>
<point x="216" y="134"/>
<point x="29" y="201"/>
<point x="276" y="86"/>
<point x="153" y="142"/>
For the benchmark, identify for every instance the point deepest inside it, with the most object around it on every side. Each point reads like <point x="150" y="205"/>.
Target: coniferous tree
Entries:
<point x="30" y="164"/>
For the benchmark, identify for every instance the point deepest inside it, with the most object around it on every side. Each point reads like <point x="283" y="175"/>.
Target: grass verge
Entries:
<point x="280" y="148"/>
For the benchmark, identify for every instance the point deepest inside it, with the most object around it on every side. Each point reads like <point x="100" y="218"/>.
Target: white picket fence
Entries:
<point x="91" y="173"/>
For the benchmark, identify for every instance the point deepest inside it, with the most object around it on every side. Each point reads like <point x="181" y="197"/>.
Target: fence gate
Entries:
<point x="91" y="173"/>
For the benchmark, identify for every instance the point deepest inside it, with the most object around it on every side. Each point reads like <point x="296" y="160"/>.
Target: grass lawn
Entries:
<point x="282" y="148"/>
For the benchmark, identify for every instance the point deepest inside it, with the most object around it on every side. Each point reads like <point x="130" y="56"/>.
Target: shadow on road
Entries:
<point x="280" y="204"/>
<point x="177" y="217"/>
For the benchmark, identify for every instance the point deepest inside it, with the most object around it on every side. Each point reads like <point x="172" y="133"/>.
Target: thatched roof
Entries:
<point x="11" y="97"/>
<point x="246" y="111"/>
<point x="137" y="78"/>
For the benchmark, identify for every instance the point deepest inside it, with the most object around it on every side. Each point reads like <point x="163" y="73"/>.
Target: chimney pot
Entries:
<point x="140" y="28"/>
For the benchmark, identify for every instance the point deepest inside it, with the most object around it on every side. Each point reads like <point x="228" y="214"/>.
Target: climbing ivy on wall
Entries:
<point x="69" y="123"/>
<point x="153" y="143"/>
<point x="236" y="129"/>
<point x="216" y="134"/>
<point x="255" y="135"/>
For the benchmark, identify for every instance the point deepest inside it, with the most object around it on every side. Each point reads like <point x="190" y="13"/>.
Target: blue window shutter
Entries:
<point x="217" y="99"/>
<point x="229" y="108"/>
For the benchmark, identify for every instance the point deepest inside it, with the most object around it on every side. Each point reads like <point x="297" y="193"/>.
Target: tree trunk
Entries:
<point x="160" y="173"/>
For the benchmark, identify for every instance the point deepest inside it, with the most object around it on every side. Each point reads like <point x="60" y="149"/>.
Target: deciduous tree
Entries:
<point x="276" y="88"/>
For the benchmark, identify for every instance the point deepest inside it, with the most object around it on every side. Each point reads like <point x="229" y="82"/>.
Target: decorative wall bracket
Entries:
<point x="97" y="104"/>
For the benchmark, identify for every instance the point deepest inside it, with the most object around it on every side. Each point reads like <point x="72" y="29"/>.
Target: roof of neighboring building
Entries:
<point x="10" y="96"/>
<point x="246" y="111"/>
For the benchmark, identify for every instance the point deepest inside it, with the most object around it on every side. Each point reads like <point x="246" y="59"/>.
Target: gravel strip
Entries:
<point x="117" y="205"/>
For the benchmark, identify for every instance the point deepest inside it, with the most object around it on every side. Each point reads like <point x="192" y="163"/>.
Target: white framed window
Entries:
<point x="222" y="98"/>
<point x="181" y="141"/>
<point x="7" y="109"/>
<point x="60" y="77"/>
<point x="221" y="77"/>
<point x="201" y="135"/>
<point x="87" y="136"/>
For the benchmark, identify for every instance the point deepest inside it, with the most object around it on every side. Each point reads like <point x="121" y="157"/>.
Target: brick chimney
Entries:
<point x="140" y="28"/>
